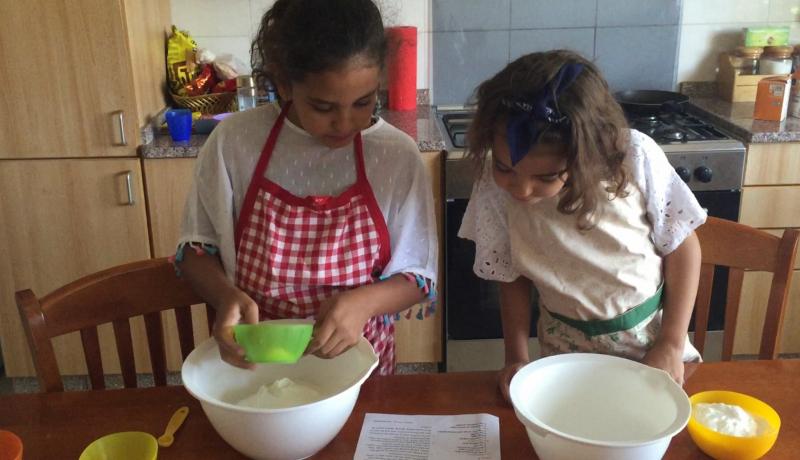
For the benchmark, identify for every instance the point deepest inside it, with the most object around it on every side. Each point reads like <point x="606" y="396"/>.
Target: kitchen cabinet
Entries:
<point x="168" y="181"/>
<point x="62" y="219"/>
<point x="769" y="202"/>
<point x="79" y="78"/>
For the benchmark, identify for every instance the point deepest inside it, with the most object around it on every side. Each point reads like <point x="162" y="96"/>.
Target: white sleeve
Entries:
<point x="208" y="216"/>
<point x="486" y="223"/>
<point x="671" y="207"/>
<point x="411" y="221"/>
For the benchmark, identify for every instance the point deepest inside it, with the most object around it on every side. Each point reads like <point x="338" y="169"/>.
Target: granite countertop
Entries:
<point x="420" y="124"/>
<point x="736" y="118"/>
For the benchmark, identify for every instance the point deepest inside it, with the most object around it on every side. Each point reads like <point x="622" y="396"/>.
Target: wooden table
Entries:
<point x="60" y="425"/>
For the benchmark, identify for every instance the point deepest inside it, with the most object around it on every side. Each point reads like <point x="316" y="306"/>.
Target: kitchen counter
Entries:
<point x="737" y="119"/>
<point x="419" y="124"/>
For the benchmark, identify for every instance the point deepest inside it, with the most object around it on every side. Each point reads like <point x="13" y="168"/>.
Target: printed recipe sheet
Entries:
<point x="423" y="437"/>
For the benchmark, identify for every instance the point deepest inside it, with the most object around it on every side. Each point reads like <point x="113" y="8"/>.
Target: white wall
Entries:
<point x="709" y="27"/>
<point x="227" y="26"/>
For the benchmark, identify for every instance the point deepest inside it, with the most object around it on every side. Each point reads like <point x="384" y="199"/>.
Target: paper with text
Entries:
<point x="424" y="437"/>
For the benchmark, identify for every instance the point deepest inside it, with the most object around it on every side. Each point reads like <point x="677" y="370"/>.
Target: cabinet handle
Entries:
<point x="121" y="125"/>
<point x="129" y="185"/>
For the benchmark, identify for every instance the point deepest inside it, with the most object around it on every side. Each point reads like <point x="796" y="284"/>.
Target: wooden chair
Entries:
<point x="110" y="296"/>
<point x="740" y="247"/>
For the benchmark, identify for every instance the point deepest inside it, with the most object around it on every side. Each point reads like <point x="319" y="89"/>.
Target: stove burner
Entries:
<point x="671" y="127"/>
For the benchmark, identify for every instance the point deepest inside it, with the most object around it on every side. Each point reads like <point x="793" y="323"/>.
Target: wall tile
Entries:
<point x="536" y="14"/>
<point x="725" y="11"/>
<point x="257" y="10"/>
<point x="423" y="59"/>
<point x="637" y="12"/>
<point x="415" y="13"/>
<point x="700" y="45"/>
<point x="637" y="57"/>
<point x="456" y="15"/>
<point x="212" y="18"/>
<point x="527" y="41"/>
<point x="784" y="10"/>
<point x="464" y="59"/>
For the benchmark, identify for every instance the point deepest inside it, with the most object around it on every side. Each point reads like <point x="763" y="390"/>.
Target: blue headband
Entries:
<point x="522" y="131"/>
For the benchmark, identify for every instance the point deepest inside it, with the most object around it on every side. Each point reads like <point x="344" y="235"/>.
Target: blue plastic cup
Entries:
<point x="179" y="122"/>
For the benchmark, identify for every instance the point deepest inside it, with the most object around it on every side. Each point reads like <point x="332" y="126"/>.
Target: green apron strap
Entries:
<point x="622" y="322"/>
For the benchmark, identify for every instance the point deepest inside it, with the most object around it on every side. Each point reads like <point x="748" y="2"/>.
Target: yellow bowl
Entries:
<point x="127" y="445"/>
<point x="724" y="447"/>
<point x="274" y="341"/>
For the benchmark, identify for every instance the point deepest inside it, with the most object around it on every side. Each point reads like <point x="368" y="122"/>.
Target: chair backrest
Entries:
<point x="110" y="296"/>
<point x="740" y="247"/>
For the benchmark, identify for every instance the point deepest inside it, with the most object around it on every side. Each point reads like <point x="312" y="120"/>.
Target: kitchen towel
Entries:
<point x="402" y="67"/>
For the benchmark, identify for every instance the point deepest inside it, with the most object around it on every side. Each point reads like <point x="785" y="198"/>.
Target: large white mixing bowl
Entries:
<point x="277" y="434"/>
<point x="591" y="406"/>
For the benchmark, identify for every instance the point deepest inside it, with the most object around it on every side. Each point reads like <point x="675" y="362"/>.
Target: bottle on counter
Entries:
<point x="245" y="92"/>
<point x="747" y="64"/>
<point x="776" y="60"/>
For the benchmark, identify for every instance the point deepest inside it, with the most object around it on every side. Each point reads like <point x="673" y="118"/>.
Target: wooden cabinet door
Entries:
<point x="168" y="181"/>
<point x="68" y="88"/>
<point x="63" y="219"/>
<point x="420" y="341"/>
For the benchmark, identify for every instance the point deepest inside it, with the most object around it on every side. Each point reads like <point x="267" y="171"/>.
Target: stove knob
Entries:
<point x="703" y="174"/>
<point x="684" y="173"/>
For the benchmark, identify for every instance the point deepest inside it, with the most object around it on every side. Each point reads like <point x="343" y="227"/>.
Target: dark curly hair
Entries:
<point x="594" y="141"/>
<point x="298" y="37"/>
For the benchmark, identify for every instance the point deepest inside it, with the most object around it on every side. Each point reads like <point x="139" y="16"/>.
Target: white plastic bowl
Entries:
<point x="591" y="406"/>
<point x="277" y="434"/>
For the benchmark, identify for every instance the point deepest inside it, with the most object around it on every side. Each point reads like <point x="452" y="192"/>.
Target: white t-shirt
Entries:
<point x="305" y="167"/>
<point x="671" y="209"/>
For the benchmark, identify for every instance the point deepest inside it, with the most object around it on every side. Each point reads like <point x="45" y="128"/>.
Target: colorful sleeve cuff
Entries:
<point x="199" y="249"/>
<point x="426" y="308"/>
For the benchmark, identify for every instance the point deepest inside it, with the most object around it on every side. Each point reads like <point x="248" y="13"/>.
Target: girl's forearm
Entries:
<point x="207" y="277"/>
<point x="389" y="296"/>
<point x="515" y="301"/>
<point x="681" y="277"/>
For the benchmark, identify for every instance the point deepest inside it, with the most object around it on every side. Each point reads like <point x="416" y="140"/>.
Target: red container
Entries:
<point x="402" y="67"/>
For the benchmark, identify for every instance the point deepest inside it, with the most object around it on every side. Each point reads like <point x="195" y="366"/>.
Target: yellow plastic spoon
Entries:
<point x="166" y="439"/>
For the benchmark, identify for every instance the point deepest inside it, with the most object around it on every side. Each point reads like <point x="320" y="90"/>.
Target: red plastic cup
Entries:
<point x="10" y="446"/>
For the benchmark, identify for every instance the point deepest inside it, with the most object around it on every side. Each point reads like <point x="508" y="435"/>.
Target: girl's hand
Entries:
<point x="667" y="357"/>
<point x="505" y="376"/>
<point x="234" y="308"/>
<point x="339" y="326"/>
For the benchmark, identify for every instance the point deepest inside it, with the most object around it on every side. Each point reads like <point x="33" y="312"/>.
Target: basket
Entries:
<point x="207" y="103"/>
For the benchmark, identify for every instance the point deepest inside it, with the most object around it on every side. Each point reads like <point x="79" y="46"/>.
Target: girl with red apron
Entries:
<point x="293" y="252"/>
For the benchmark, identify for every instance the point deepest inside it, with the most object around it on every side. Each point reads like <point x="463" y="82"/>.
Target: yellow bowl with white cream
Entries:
<point x="726" y="447"/>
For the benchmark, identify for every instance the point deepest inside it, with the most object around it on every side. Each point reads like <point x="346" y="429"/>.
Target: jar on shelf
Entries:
<point x="747" y="64"/>
<point x="245" y="92"/>
<point x="776" y="60"/>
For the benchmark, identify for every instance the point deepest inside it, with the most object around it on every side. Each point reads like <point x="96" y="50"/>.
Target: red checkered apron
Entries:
<point x="292" y="253"/>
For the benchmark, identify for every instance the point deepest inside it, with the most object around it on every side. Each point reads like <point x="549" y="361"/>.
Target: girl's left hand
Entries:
<point x="666" y="357"/>
<point x="339" y="326"/>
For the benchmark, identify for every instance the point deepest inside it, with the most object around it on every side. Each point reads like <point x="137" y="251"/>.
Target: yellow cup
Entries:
<point x="724" y="447"/>
<point x="127" y="445"/>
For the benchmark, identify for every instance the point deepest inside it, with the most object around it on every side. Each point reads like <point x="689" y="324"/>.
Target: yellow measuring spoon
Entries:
<point x="166" y="439"/>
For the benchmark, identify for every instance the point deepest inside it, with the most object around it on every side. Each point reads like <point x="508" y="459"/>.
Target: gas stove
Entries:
<point x="704" y="156"/>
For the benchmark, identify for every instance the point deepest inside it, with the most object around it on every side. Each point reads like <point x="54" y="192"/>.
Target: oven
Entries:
<point x="709" y="161"/>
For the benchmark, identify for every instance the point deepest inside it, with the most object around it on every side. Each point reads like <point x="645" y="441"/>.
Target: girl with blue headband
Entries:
<point x="590" y="213"/>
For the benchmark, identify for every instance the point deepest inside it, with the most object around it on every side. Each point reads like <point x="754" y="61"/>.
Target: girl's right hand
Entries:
<point x="234" y="308"/>
<point x="505" y="376"/>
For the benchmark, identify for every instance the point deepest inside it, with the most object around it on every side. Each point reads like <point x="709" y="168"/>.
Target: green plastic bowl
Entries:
<point x="274" y="341"/>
